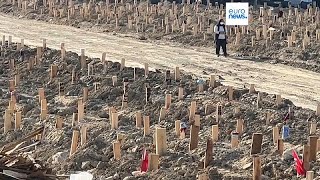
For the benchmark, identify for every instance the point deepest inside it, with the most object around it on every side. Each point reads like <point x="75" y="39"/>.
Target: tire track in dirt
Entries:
<point x="300" y="86"/>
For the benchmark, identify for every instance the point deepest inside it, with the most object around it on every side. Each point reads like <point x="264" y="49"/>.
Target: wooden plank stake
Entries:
<point x="280" y="146"/>
<point x="180" y="93"/>
<point x="146" y="70"/>
<point x="275" y="134"/>
<point x="74" y="142"/>
<point x="208" y="153"/>
<point x="230" y="92"/>
<point x="146" y="125"/>
<point x="153" y="162"/>
<point x="252" y="89"/>
<point x="161" y="141"/>
<point x="306" y="157"/>
<point x="313" y="147"/>
<point x="313" y="128"/>
<point x="256" y="168"/>
<point x="168" y="101"/>
<point x="239" y="128"/>
<point x="17" y="120"/>
<point x="194" y="137"/>
<point x="114" y="80"/>
<point x="234" y="140"/>
<point x="53" y="71"/>
<point x="75" y="119"/>
<point x="177" y="127"/>
<point x="85" y="94"/>
<point x="192" y="110"/>
<point x="318" y="110"/>
<point x="256" y="143"/>
<point x="278" y="100"/>
<point x="11" y="85"/>
<point x="83" y="62"/>
<point x="138" y="119"/>
<point x="309" y="175"/>
<point x="80" y="111"/>
<point x="177" y="74"/>
<point x="215" y="133"/>
<point x="117" y="150"/>
<point x="218" y="113"/>
<point x="123" y="65"/>
<point x="114" y="124"/>
<point x="212" y="82"/>
<point x="83" y="135"/>
<point x="59" y="122"/>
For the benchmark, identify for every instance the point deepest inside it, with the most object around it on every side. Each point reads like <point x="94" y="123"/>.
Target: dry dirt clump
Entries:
<point x="96" y="155"/>
<point x="165" y="21"/>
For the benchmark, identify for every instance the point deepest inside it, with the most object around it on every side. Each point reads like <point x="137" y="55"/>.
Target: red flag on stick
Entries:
<point x="144" y="164"/>
<point x="299" y="164"/>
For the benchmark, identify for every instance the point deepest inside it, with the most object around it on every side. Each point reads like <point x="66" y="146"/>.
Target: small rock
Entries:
<point x="85" y="165"/>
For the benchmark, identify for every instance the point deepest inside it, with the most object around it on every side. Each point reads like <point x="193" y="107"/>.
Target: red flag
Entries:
<point x="299" y="164"/>
<point x="144" y="164"/>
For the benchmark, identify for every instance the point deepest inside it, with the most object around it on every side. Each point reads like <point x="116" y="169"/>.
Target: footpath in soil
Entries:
<point x="265" y="39"/>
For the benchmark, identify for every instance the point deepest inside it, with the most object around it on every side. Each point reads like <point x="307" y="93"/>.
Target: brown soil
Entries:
<point x="96" y="156"/>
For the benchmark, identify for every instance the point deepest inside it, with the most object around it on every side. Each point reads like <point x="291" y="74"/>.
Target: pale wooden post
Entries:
<point x="146" y="69"/>
<point x="59" y="122"/>
<point x="41" y="94"/>
<point x="218" y="112"/>
<point x="114" y="124"/>
<point x="313" y="147"/>
<point x="256" y="168"/>
<point x="256" y="143"/>
<point x="74" y="142"/>
<point x="83" y="135"/>
<point x="239" y="128"/>
<point x="318" y="110"/>
<point x="138" y="119"/>
<point x="168" y="101"/>
<point x="17" y="120"/>
<point x="80" y="110"/>
<point x="194" y="137"/>
<point x="309" y="175"/>
<point x="146" y="125"/>
<point x="11" y="85"/>
<point x="153" y="162"/>
<point x="117" y="150"/>
<point x="180" y="93"/>
<point x="234" y="140"/>
<point x="278" y="99"/>
<point x="252" y="89"/>
<point x="192" y="110"/>
<point x="83" y="59"/>
<point x="85" y="94"/>
<point x="161" y="141"/>
<point x="122" y="66"/>
<point x="230" y="92"/>
<point x="275" y="134"/>
<point x="177" y="74"/>
<point x="208" y="153"/>
<point x="280" y="146"/>
<point x="306" y="157"/>
<point x="212" y="82"/>
<point x="215" y="133"/>
<point x="313" y="127"/>
<point x="177" y="127"/>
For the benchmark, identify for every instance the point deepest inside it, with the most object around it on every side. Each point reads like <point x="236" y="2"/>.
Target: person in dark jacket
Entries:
<point x="221" y="37"/>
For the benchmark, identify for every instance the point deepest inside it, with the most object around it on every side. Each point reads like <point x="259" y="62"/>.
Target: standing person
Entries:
<point x="221" y="38"/>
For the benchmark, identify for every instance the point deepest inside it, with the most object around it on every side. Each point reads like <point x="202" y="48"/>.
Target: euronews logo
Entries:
<point x="237" y="14"/>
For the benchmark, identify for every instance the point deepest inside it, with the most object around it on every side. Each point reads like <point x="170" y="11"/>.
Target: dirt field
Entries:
<point x="273" y="67"/>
